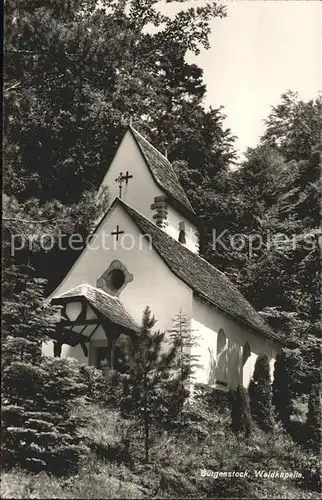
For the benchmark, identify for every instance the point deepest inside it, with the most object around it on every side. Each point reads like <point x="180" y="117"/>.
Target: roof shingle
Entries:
<point x="162" y="171"/>
<point x="108" y="305"/>
<point x="203" y="278"/>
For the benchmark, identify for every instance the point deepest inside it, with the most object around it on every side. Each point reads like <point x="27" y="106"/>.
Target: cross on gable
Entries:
<point x="121" y="178"/>
<point x="126" y="177"/>
<point x="117" y="232"/>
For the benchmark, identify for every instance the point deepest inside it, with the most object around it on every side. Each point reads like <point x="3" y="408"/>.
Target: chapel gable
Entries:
<point x="143" y="177"/>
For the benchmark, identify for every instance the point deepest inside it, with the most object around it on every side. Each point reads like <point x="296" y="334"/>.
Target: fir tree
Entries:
<point x="241" y="420"/>
<point x="25" y="321"/>
<point x="260" y="394"/>
<point x="38" y="432"/>
<point x="282" y="394"/>
<point x="37" y="393"/>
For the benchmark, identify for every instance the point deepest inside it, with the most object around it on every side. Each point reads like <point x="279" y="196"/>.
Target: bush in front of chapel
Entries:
<point x="260" y="394"/>
<point x="241" y="419"/>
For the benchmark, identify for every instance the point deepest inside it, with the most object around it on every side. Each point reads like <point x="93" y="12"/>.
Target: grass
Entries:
<point x="96" y="484"/>
<point x="176" y="461"/>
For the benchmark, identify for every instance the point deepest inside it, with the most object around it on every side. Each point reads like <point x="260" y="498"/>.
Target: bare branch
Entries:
<point x="13" y="87"/>
<point x="44" y="221"/>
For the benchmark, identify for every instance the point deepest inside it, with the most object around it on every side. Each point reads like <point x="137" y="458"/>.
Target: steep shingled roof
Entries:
<point x="162" y="171"/>
<point x="203" y="278"/>
<point x="108" y="305"/>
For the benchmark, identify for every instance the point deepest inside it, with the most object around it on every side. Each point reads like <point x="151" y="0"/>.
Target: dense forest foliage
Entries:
<point x="75" y="72"/>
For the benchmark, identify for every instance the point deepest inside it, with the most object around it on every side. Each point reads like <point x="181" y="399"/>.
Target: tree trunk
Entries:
<point x="146" y="423"/>
<point x="146" y="439"/>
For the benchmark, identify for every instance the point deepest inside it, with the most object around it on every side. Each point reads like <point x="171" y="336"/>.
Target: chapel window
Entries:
<point x="246" y="370"/>
<point x="182" y="233"/>
<point x="221" y="342"/>
<point x="222" y="363"/>
<point x="117" y="278"/>
<point x="246" y="353"/>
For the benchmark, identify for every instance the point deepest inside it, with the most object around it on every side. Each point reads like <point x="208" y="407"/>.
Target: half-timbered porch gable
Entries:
<point x="94" y="320"/>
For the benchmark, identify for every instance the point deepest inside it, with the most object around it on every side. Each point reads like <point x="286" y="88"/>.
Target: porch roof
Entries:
<point x="106" y="304"/>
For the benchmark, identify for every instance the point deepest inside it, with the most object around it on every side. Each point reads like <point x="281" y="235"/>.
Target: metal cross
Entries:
<point x="120" y="179"/>
<point x="126" y="177"/>
<point x="117" y="232"/>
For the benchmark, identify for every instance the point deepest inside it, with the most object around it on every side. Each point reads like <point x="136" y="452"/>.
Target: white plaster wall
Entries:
<point x="74" y="352"/>
<point x="206" y="323"/>
<point x="153" y="284"/>
<point x="98" y="340"/>
<point x="73" y="310"/>
<point x="156" y="286"/>
<point x="141" y="189"/>
<point x="275" y="350"/>
<point x="67" y="351"/>
<point x="47" y="348"/>
<point x="172" y="228"/>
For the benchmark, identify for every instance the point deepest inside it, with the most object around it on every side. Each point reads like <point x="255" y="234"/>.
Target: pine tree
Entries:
<point x="282" y="394"/>
<point x="260" y="394"/>
<point x="313" y="420"/>
<point x="241" y="420"/>
<point x="152" y="380"/>
<point x="186" y="362"/>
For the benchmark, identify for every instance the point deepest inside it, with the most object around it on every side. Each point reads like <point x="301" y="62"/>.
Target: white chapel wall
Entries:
<point x="67" y="351"/>
<point x="141" y="190"/>
<point x="153" y="284"/>
<point x="174" y="218"/>
<point x="206" y="323"/>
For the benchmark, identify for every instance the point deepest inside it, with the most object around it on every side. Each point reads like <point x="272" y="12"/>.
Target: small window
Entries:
<point x="182" y="233"/>
<point x="182" y="237"/>
<point x="117" y="278"/>
<point x="221" y="342"/>
<point x="246" y="353"/>
<point x="222" y="361"/>
<point x="120" y="354"/>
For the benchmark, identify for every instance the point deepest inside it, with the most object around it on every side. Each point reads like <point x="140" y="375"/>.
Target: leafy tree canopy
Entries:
<point x="76" y="70"/>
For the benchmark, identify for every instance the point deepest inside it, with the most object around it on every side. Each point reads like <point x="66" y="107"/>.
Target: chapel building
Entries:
<point x="145" y="251"/>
